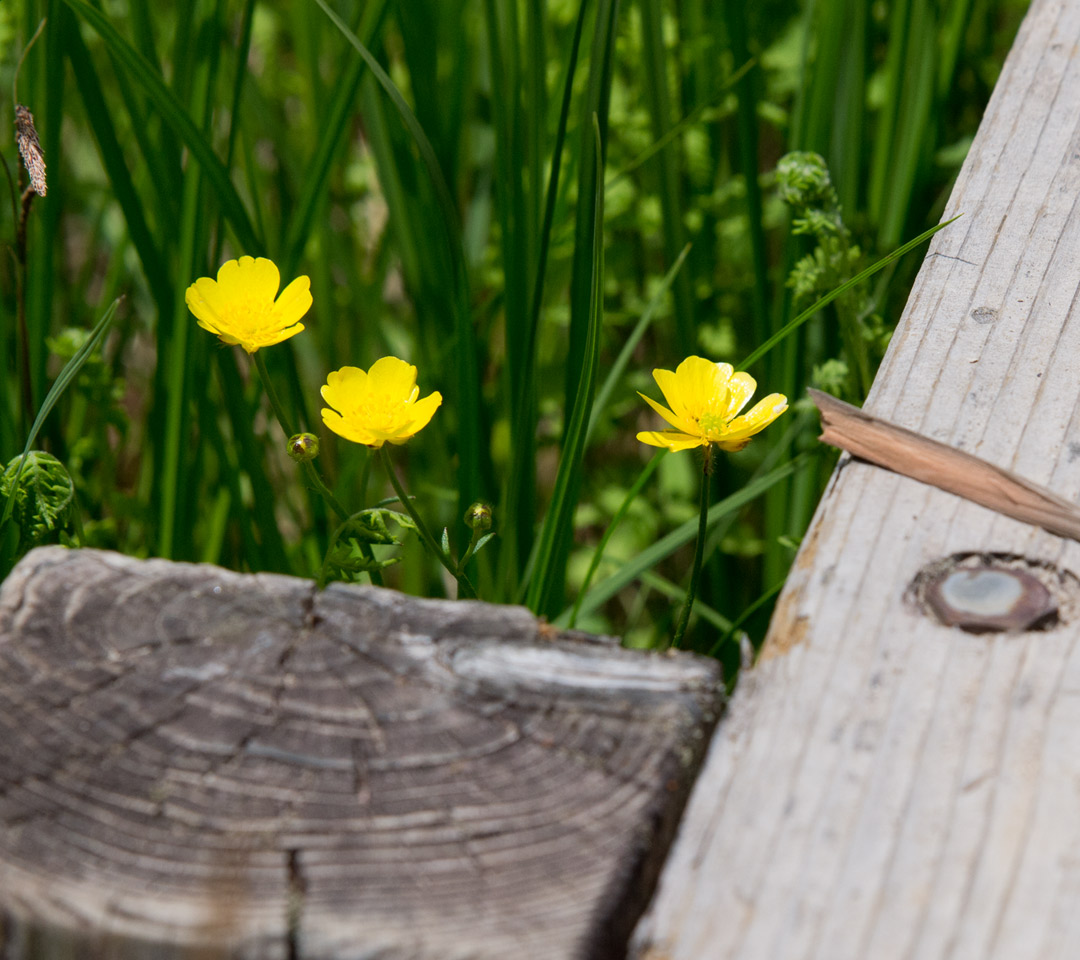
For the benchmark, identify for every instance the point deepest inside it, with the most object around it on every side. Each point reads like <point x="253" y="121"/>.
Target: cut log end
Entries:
<point x="204" y="761"/>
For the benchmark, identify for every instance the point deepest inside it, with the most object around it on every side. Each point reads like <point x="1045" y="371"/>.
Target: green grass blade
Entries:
<point x="520" y="498"/>
<point x="753" y="608"/>
<point x="747" y="151"/>
<point x="176" y="356"/>
<point x="884" y="153"/>
<point x="623" y="359"/>
<point x="339" y="113"/>
<point x="174" y="114"/>
<point x="549" y="579"/>
<point x="663" y="548"/>
<point x="510" y="192"/>
<point x="515" y="250"/>
<point x="674" y="592"/>
<point x="112" y="158"/>
<point x="249" y="457"/>
<point x="672" y="207"/>
<point x="798" y="321"/>
<point x="598" y="554"/>
<point x="423" y="144"/>
<point x="686" y="123"/>
<point x="45" y="241"/>
<point x="913" y="138"/>
<point x="591" y="158"/>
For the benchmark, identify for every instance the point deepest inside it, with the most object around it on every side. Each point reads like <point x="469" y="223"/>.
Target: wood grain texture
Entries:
<point x="883" y="786"/>
<point x="196" y="763"/>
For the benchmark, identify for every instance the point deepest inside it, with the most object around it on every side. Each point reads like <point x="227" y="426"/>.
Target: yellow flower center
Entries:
<point x="247" y="316"/>
<point x="712" y="424"/>
<point x="379" y="414"/>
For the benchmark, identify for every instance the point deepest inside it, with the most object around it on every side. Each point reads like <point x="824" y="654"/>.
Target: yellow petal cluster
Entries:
<point x="240" y="306"/>
<point x="378" y="406"/>
<point x="706" y="399"/>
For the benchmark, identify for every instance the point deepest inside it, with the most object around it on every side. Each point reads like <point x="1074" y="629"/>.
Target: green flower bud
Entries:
<point x="478" y="516"/>
<point x="303" y="447"/>
<point x="804" y="181"/>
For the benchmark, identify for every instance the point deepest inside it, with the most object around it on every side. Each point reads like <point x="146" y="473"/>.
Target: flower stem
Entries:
<point x="286" y="425"/>
<point x="699" y="550"/>
<point x="313" y="477"/>
<point x="271" y="393"/>
<point x="465" y="588"/>
<point x="477" y="535"/>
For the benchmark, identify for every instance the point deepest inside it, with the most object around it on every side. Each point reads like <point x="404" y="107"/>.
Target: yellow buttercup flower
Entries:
<point x="378" y="406"/>
<point x="705" y="400"/>
<point x="240" y="307"/>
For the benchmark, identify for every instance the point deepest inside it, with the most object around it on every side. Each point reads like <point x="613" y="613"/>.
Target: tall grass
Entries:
<point x="500" y="193"/>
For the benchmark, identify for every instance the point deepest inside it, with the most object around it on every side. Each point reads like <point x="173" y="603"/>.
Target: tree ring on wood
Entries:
<point x="195" y="762"/>
<point x="995" y="593"/>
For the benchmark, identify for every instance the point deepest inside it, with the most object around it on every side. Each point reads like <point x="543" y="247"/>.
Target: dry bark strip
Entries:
<point x="196" y="764"/>
<point x="882" y="785"/>
<point x="954" y="471"/>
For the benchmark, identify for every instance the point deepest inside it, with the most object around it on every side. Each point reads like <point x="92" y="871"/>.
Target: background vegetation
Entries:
<point x="456" y="226"/>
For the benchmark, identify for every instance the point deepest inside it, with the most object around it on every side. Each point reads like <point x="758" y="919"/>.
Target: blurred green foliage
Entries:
<point x="457" y="228"/>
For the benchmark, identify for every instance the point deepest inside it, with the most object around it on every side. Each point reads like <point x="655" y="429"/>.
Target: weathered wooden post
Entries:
<point x="196" y="763"/>
<point x="886" y="785"/>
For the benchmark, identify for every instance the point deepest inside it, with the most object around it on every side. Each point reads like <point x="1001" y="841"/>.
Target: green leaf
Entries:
<point x="42" y="492"/>
<point x="71" y="369"/>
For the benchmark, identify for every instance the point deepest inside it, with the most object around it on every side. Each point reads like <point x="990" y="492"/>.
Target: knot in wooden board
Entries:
<point x="195" y="760"/>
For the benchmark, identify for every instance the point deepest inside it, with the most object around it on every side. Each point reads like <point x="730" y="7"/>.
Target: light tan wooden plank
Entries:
<point x="882" y="785"/>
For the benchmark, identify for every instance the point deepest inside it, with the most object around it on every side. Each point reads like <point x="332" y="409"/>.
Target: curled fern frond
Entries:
<point x="44" y="495"/>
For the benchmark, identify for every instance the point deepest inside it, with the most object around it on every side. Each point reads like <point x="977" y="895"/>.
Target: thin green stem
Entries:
<point x="327" y="494"/>
<point x="275" y="402"/>
<point x="315" y="481"/>
<point x="286" y="425"/>
<point x="477" y="536"/>
<point x="699" y="550"/>
<point x="465" y="588"/>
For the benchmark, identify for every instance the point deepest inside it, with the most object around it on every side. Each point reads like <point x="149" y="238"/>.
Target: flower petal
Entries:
<point x="670" y="439"/>
<point x="348" y="428"/>
<point x="205" y="299"/>
<point x="423" y="410"/>
<point x="343" y="389"/>
<point x="294" y="302"/>
<point x="731" y="446"/>
<point x="271" y="337"/>
<point x="679" y="423"/>
<point x="392" y="378"/>
<point x="764" y="412"/>
<point x="696" y="387"/>
<point x="250" y="279"/>
<point x="741" y="387"/>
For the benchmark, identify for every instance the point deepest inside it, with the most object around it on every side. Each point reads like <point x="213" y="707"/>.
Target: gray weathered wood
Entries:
<point x="196" y="763"/>
<point x="883" y="786"/>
